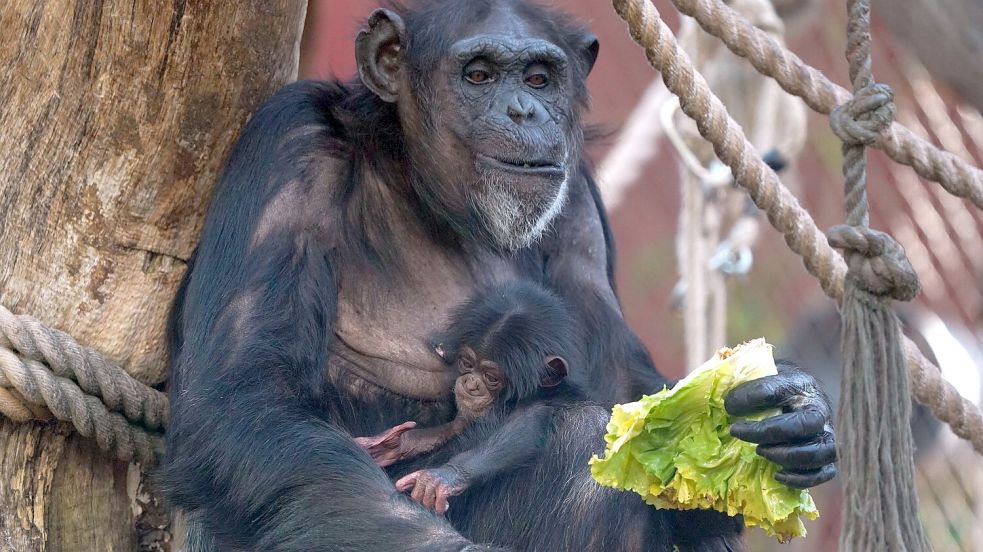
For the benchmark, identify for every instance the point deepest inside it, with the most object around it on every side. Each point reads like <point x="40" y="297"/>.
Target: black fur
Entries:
<point x="249" y="453"/>
<point x="260" y="453"/>
<point x="517" y="325"/>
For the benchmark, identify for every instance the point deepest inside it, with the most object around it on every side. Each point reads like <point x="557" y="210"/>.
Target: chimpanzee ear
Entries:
<point x="378" y="51"/>
<point x="589" y="48"/>
<point x="556" y="371"/>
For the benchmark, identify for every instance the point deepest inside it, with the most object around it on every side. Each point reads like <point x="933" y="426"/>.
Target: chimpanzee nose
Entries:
<point x="522" y="108"/>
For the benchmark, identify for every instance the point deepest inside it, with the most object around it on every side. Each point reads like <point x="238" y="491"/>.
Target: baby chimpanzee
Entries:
<point x="505" y="345"/>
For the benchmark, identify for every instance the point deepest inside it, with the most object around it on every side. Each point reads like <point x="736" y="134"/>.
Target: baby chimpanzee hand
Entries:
<point x="432" y="488"/>
<point x="386" y="448"/>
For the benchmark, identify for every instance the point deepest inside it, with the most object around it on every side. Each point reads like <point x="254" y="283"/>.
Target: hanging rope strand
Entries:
<point x="876" y="448"/>
<point x="854" y="156"/>
<point x="780" y="206"/>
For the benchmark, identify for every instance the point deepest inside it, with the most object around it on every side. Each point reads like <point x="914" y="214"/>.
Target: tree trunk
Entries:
<point x="115" y="117"/>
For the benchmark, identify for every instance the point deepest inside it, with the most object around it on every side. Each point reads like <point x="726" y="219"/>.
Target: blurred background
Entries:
<point x="697" y="269"/>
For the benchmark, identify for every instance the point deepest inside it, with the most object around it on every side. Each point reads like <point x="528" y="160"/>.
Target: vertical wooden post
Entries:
<point x="115" y="117"/>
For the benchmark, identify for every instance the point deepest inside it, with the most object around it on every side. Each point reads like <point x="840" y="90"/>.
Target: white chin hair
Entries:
<point x="514" y="223"/>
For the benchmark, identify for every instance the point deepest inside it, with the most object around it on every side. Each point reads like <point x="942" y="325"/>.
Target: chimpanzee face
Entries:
<point x="492" y="121"/>
<point x="510" y="115"/>
<point x="480" y="381"/>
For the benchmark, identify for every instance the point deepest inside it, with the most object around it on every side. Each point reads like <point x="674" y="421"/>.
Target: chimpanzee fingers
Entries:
<point x="442" y="495"/>
<point x="792" y="427"/>
<point x="407" y="482"/>
<point x="385" y="459"/>
<point x="806" y="479"/>
<point x="419" y="493"/>
<point x="767" y="392"/>
<point x="366" y="442"/>
<point x="430" y="496"/>
<point x="390" y="438"/>
<point x="377" y="445"/>
<point x="807" y="456"/>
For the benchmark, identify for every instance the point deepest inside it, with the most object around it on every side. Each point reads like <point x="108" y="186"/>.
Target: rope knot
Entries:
<point x="877" y="263"/>
<point x="861" y="120"/>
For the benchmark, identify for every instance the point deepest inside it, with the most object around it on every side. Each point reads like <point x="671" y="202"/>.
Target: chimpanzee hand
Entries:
<point x="801" y="438"/>
<point x="386" y="448"/>
<point x="432" y="488"/>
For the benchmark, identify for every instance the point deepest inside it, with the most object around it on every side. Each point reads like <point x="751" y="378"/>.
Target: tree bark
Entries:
<point x="115" y="117"/>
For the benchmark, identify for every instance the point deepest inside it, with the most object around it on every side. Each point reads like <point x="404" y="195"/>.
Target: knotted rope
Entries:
<point x="876" y="447"/>
<point x="780" y="206"/>
<point x="32" y="390"/>
<point x="796" y="77"/>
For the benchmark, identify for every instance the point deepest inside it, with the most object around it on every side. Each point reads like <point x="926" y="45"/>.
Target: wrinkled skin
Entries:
<point x="433" y="487"/>
<point x="800" y="439"/>
<point x="508" y="130"/>
<point x="388" y="447"/>
<point x="479" y="382"/>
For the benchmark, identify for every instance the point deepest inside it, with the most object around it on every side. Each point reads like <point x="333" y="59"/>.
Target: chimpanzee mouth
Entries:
<point x="539" y="167"/>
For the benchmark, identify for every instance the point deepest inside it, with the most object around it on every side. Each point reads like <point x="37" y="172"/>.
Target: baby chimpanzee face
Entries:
<point x="479" y="383"/>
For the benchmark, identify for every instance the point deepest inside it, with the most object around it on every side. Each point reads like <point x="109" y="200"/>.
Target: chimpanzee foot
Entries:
<point x="386" y="448"/>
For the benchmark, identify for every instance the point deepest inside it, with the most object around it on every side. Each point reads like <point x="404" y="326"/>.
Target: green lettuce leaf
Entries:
<point x="674" y="449"/>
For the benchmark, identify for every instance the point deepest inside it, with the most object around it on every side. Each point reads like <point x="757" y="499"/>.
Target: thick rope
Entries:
<point x="932" y="390"/>
<point x="875" y="443"/>
<point x="780" y="206"/>
<point x="63" y="397"/>
<point x="27" y="338"/>
<point x="876" y="448"/>
<point x="796" y="77"/>
<point x="14" y="406"/>
<point x="44" y="373"/>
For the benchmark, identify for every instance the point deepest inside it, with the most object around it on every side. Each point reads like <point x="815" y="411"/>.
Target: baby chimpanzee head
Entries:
<point x="507" y="344"/>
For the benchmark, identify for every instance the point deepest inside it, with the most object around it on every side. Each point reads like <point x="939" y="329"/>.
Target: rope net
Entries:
<point x="782" y="208"/>
<point x="881" y="510"/>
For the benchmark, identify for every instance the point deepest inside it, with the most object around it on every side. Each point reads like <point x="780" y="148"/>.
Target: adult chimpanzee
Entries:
<point x="504" y="345"/>
<point x="350" y="220"/>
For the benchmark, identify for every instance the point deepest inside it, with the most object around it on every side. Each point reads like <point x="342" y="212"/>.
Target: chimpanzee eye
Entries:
<point x="478" y="76"/>
<point x="537" y="80"/>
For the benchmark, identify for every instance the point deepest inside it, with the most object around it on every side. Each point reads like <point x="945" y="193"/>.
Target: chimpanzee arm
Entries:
<point x="580" y="267"/>
<point x="514" y="444"/>
<point x="249" y="457"/>
<point x="518" y="441"/>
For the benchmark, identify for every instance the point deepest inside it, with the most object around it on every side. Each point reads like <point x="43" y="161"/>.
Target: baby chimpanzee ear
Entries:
<point x="556" y="370"/>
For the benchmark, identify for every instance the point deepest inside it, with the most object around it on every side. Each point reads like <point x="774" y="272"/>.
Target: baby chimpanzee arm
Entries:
<point x="517" y="442"/>
<point x="404" y="443"/>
